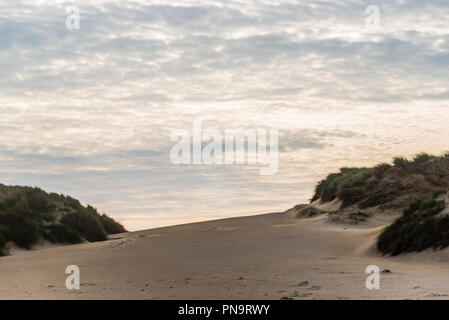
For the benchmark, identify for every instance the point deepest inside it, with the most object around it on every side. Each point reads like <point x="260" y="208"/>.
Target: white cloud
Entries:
<point x="89" y="112"/>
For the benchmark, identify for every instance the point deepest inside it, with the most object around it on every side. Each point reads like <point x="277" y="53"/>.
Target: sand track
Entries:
<point x="259" y="257"/>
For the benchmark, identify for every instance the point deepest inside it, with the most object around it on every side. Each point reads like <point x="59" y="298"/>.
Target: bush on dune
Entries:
<point x="110" y="225"/>
<point x="381" y="169"/>
<point x="28" y="215"/>
<point x="86" y="223"/>
<point x="423" y="157"/>
<point x="19" y="229"/>
<point x="420" y="227"/>
<point x="423" y="224"/>
<point x="342" y="185"/>
<point x="59" y="233"/>
<point x="3" y="241"/>
<point x="386" y="184"/>
<point x="401" y="162"/>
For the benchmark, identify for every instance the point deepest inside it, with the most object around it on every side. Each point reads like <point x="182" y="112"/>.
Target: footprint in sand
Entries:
<point x="435" y="295"/>
<point x="315" y="288"/>
<point x="87" y="284"/>
<point x="115" y="243"/>
<point x="303" y="284"/>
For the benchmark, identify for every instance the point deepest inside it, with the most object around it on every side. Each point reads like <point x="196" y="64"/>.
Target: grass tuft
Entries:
<point x="309" y="212"/>
<point x="401" y="162"/>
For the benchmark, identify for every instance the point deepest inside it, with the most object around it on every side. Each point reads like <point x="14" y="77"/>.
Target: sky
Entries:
<point x="88" y="112"/>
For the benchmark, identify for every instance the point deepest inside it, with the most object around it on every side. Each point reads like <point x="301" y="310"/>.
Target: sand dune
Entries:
<point x="270" y="256"/>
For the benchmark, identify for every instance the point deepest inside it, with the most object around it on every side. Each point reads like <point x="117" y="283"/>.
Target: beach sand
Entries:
<point x="269" y="256"/>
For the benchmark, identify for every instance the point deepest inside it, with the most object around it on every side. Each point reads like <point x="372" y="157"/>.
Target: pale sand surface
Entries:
<point x="258" y="257"/>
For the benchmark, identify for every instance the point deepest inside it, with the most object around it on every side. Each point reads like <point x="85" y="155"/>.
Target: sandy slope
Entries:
<point x="259" y="257"/>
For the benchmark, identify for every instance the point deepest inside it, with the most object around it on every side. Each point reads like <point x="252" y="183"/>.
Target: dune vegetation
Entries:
<point x="387" y="185"/>
<point x="418" y="187"/>
<point x="309" y="212"/>
<point x="29" y="215"/>
<point x="420" y="227"/>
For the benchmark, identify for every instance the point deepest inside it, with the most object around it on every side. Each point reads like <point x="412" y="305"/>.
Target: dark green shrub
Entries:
<point x="110" y="225"/>
<point x="419" y="228"/>
<point x="351" y="196"/>
<point x="86" y="223"/>
<point x="326" y="189"/>
<point x="423" y="157"/>
<point x="22" y="231"/>
<point x="338" y="184"/>
<point x="354" y="177"/>
<point x="59" y="233"/>
<point x="330" y="192"/>
<point x="3" y="240"/>
<point x="37" y="200"/>
<point x="381" y="169"/>
<point x="29" y="214"/>
<point x="401" y="162"/>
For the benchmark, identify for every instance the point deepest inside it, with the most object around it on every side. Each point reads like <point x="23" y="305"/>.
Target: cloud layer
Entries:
<point x="89" y="112"/>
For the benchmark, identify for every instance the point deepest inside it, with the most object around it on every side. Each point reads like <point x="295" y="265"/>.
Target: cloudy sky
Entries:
<point x="89" y="112"/>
